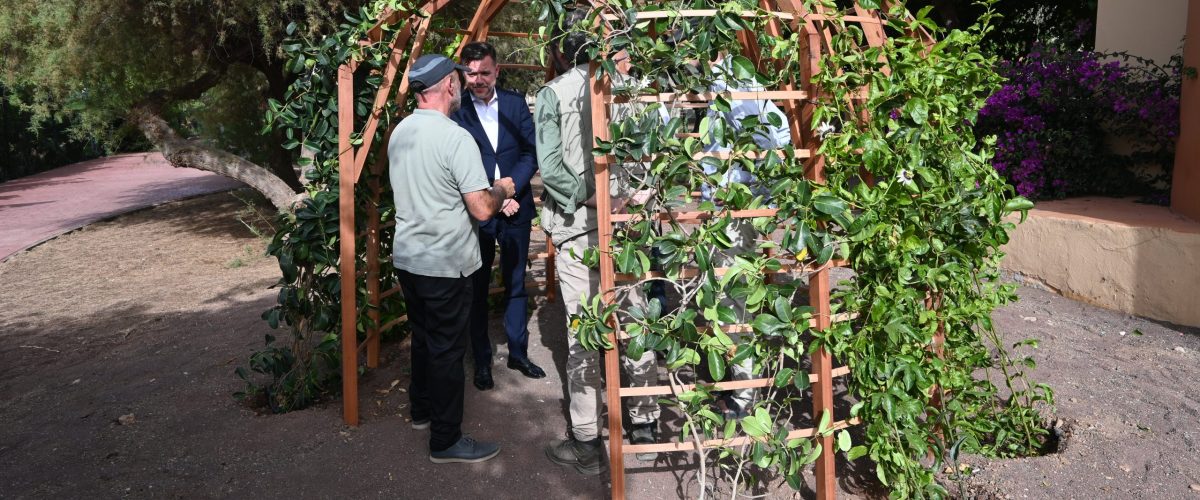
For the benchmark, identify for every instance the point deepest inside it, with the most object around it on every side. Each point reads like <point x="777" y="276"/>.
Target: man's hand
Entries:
<point x="483" y="204"/>
<point x="510" y="207"/>
<point x="505" y="185"/>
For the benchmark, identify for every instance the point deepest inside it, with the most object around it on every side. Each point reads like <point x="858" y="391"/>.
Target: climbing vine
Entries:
<point x="297" y="371"/>
<point x="910" y="203"/>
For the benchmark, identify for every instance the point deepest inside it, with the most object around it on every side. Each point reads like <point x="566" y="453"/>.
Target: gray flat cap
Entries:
<point x="430" y="69"/>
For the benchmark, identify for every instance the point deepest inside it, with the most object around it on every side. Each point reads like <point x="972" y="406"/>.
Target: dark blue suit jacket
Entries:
<point x="515" y="146"/>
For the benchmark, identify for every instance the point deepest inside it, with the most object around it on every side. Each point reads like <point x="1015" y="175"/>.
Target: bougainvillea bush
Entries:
<point x="1060" y="112"/>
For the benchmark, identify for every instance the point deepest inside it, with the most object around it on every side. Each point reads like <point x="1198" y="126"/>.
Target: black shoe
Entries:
<point x="483" y="378"/>
<point x="584" y="456"/>
<point x="526" y="367"/>
<point x="646" y="433"/>
<point x="465" y="451"/>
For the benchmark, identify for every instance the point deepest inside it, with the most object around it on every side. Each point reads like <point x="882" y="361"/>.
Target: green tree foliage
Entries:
<point x="166" y="69"/>
<point x="1019" y="25"/>
<point x="27" y="150"/>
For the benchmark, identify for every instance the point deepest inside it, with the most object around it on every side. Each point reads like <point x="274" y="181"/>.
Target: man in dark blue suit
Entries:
<point x="502" y="126"/>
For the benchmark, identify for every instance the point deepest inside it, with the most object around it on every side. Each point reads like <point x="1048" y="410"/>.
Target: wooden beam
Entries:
<point x="385" y="87"/>
<point x="737" y="441"/>
<point x="346" y="234"/>
<point x="664" y="390"/>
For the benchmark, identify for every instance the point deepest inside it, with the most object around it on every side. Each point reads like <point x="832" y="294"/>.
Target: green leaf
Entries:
<point x="726" y="315"/>
<point x="768" y="324"/>
<point x="753" y="427"/>
<point x="783" y="377"/>
<point x="843" y="440"/>
<point x="825" y="426"/>
<point x="801" y="380"/>
<point x="716" y="364"/>
<point x="917" y="109"/>
<point x="783" y="309"/>
<point x="1018" y="204"/>
<point x="743" y="69"/>
<point x="829" y="205"/>
<point x="856" y="452"/>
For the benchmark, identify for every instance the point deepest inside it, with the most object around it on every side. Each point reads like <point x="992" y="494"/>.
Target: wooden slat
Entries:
<point x="530" y="67"/>
<point x="663" y="390"/>
<point x="725" y="155"/>
<point x="747" y="328"/>
<point x="737" y="441"/>
<point x="720" y="271"/>
<point x="711" y="96"/>
<point x="698" y="215"/>
<point x="498" y="34"/>
<point x="748" y="14"/>
<point x="389" y="76"/>
<point x="667" y="14"/>
<point x="387" y="326"/>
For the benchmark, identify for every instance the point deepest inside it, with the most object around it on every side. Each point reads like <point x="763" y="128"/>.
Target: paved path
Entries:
<point x="40" y="207"/>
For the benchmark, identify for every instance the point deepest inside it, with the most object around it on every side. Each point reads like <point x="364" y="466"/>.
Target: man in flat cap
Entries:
<point x="440" y="194"/>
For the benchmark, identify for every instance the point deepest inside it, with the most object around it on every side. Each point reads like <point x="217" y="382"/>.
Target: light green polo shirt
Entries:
<point x="432" y="162"/>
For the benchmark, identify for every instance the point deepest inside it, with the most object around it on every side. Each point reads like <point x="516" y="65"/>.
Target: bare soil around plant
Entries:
<point x="118" y="344"/>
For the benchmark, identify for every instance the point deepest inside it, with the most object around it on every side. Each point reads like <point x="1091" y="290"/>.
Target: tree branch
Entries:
<point x="195" y="154"/>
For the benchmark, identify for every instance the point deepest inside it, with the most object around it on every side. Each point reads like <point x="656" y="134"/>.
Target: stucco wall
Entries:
<point x="1114" y="253"/>
<point x="1151" y="29"/>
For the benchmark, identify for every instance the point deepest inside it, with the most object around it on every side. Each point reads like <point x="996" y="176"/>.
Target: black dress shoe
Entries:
<point x="483" y="378"/>
<point x="526" y="367"/>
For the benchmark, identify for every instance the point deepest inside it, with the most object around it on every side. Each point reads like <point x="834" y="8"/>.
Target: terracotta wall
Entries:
<point x="1114" y="253"/>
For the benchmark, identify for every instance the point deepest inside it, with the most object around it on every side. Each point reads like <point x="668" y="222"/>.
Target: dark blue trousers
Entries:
<point x="514" y="258"/>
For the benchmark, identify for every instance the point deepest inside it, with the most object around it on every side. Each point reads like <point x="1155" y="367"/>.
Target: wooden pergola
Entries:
<point x="796" y="97"/>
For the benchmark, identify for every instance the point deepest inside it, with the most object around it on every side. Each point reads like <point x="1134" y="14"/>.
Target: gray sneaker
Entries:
<point x="421" y="424"/>
<point x="583" y="455"/>
<point x="646" y="433"/>
<point x="466" y="450"/>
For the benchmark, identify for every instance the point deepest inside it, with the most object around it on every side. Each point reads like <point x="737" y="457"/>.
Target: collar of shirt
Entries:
<point x="491" y="103"/>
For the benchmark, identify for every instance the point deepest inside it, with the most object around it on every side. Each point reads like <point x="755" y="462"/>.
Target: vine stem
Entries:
<point x="676" y="388"/>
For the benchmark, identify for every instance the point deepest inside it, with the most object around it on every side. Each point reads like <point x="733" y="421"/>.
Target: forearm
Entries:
<point x="495" y="199"/>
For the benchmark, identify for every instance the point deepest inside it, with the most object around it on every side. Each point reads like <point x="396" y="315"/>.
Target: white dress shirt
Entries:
<point x="489" y="117"/>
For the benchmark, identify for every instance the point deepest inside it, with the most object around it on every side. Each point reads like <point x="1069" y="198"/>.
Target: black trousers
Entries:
<point x="439" y="310"/>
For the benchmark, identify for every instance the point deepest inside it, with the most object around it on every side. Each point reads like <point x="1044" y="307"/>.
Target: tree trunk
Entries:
<point x="195" y="154"/>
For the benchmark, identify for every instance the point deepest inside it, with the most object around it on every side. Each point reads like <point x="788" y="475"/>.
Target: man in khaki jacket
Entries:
<point x="564" y="144"/>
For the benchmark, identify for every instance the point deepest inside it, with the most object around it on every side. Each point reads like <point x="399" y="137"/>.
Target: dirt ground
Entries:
<point x="118" y="344"/>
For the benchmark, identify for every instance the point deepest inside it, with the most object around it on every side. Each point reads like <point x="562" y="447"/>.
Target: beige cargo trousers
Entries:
<point x="577" y="283"/>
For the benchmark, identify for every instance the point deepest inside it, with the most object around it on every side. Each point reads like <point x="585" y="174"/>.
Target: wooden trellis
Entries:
<point x="404" y="50"/>
<point x="796" y="97"/>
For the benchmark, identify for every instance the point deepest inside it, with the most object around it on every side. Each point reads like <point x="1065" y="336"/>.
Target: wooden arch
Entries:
<point x="404" y="48"/>
<point x="796" y="97"/>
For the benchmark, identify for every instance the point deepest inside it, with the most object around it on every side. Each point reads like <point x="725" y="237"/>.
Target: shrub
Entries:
<point x="1054" y="118"/>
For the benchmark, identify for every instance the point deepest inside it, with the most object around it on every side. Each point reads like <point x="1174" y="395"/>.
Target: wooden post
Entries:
<point x="372" y="251"/>
<point x="612" y="363"/>
<point x="822" y="389"/>
<point x="347" y="235"/>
